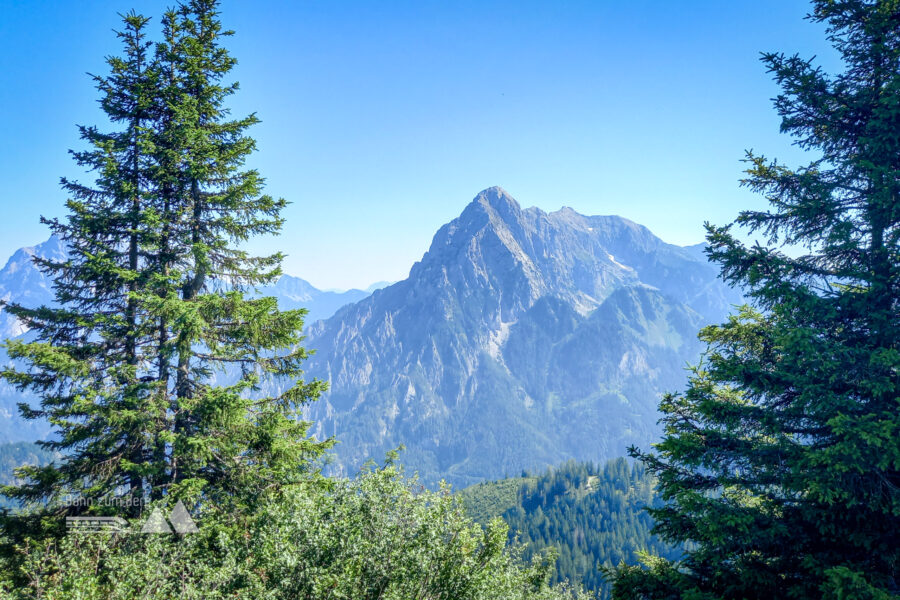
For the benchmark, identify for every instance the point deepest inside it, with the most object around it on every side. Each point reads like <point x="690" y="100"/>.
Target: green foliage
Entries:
<point x="556" y="363"/>
<point x="165" y="383"/>
<point x="153" y="368"/>
<point x="161" y="379"/>
<point x="376" y="536"/>
<point x="780" y="462"/>
<point x="592" y="516"/>
<point x="489" y="499"/>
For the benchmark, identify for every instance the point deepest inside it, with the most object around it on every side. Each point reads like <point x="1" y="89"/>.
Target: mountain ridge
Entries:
<point x="436" y="353"/>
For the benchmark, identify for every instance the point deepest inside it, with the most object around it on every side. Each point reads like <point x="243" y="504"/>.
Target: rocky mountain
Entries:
<point x="21" y="281"/>
<point x="521" y="339"/>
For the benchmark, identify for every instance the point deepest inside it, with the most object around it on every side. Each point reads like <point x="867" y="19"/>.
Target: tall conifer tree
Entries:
<point x="85" y="359"/>
<point x="221" y="434"/>
<point x="155" y="366"/>
<point x="781" y="461"/>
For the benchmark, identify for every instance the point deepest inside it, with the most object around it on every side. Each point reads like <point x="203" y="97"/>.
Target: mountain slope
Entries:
<point x="594" y="516"/>
<point x="293" y="292"/>
<point x="521" y="339"/>
<point x="21" y="281"/>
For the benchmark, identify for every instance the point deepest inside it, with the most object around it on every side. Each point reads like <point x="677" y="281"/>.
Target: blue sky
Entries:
<point x="383" y="119"/>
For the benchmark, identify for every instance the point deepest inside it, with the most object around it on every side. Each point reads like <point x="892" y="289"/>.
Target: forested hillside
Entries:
<point x="592" y="514"/>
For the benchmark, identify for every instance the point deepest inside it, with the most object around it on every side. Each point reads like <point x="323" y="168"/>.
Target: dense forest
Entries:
<point x="592" y="515"/>
<point x="780" y="462"/>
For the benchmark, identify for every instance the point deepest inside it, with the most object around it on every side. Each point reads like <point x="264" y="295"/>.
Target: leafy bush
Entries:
<point x="378" y="535"/>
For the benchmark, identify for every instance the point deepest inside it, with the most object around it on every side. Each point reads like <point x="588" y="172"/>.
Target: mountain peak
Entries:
<point x="498" y="199"/>
<point x="493" y="339"/>
<point x="53" y="248"/>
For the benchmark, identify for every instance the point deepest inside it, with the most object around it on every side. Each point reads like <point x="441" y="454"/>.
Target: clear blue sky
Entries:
<point x="382" y="119"/>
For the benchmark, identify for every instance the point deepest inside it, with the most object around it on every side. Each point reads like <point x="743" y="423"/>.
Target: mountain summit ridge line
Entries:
<point x="440" y="361"/>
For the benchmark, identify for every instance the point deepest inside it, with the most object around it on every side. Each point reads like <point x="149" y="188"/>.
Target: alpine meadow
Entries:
<point x="553" y="404"/>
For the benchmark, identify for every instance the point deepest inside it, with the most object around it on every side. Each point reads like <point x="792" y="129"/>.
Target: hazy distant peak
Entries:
<point x="22" y="258"/>
<point x="566" y="211"/>
<point x="378" y="285"/>
<point x="569" y="217"/>
<point x="294" y="288"/>
<point x="53" y="247"/>
<point x="22" y="281"/>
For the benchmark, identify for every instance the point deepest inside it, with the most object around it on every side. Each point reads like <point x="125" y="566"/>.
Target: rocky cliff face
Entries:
<point x="22" y="282"/>
<point x="520" y="339"/>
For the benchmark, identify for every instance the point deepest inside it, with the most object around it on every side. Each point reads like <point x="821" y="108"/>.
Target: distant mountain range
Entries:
<point x="293" y="292"/>
<point x="520" y="340"/>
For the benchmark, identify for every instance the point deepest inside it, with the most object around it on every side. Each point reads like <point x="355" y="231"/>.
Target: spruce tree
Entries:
<point x="163" y="378"/>
<point x="84" y="359"/>
<point x="220" y="434"/>
<point x="781" y="461"/>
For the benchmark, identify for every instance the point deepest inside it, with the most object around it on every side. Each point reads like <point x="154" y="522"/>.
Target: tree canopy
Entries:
<point x="163" y="378"/>
<point x="168" y="379"/>
<point x="592" y="515"/>
<point x="780" y="462"/>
